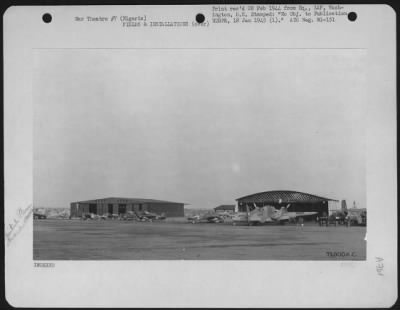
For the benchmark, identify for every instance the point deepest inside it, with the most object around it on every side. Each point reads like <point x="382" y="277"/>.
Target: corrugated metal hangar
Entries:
<point x="115" y="205"/>
<point x="299" y="202"/>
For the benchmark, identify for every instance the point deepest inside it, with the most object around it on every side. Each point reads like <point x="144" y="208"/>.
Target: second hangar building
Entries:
<point x="299" y="202"/>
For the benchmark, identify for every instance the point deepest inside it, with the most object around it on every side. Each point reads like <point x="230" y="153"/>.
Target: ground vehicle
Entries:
<point x="357" y="216"/>
<point x="337" y="218"/>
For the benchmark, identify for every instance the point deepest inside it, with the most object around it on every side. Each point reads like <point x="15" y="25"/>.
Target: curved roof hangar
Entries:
<point x="282" y="196"/>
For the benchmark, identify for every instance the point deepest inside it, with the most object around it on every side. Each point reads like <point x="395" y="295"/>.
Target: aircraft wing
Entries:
<point x="299" y="214"/>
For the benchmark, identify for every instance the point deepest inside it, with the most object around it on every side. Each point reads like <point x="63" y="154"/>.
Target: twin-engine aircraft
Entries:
<point x="267" y="214"/>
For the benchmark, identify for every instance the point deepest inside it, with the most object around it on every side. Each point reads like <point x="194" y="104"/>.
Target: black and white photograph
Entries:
<point x="201" y="154"/>
<point x="217" y="156"/>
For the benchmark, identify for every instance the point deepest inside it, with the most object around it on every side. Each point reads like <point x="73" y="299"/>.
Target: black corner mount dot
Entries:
<point x="352" y="16"/>
<point x="200" y="18"/>
<point x="47" y="18"/>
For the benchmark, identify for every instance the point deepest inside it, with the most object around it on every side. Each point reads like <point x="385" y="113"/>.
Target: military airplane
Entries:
<point x="206" y="218"/>
<point x="39" y="216"/>
<point x="92" y="216"/>
<point x="149" y="216"/>
<point x="267" y="214"/>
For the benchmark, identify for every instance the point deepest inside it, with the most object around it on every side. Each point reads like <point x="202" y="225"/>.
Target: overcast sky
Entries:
<point x="202" y="127"/>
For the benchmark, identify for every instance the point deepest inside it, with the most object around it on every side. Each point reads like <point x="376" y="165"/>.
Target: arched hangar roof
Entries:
<point x="283" y="196"/>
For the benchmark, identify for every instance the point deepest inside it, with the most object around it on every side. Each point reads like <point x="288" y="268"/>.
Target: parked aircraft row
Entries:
<point x="144" y="216"/>
<point x="256" y="216"/>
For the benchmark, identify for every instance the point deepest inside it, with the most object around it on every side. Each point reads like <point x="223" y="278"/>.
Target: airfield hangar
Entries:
<point x="299" y="202"/>
<point x="115" y="205"/>
<point x="225" y="208"/>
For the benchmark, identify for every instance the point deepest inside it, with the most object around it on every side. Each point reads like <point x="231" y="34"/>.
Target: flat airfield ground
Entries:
<point x="129" y="240"/>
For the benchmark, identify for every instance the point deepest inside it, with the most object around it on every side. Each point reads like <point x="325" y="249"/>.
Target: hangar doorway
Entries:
<point x="121" y="209"/>
<point x="93" y="208"/>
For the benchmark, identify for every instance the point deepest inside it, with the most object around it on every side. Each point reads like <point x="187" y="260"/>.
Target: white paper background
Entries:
<point x="200" y="283"/>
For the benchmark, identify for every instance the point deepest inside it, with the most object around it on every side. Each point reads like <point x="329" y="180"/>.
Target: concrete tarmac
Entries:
<point x="129" y="240"/>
